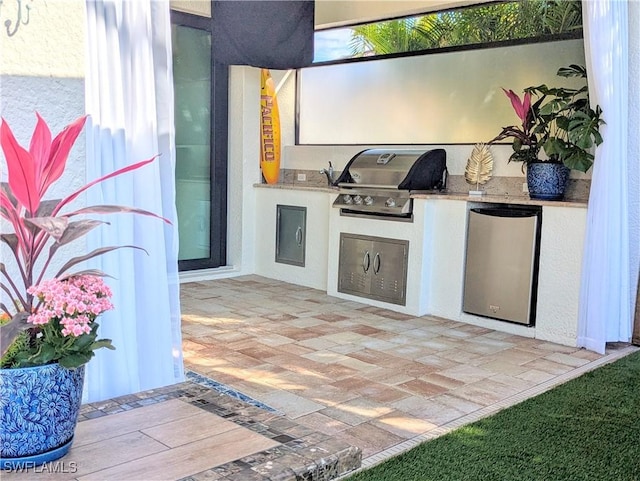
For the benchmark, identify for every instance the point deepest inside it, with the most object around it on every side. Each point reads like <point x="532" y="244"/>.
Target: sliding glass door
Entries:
<point x="200" y="87"/>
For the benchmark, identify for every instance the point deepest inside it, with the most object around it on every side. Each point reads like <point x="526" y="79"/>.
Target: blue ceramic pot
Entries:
<point x="40" y="407"/>
<point x="547" y="180"/>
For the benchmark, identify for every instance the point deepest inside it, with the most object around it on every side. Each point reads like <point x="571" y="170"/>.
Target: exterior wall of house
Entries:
<point x="42" y="70"/>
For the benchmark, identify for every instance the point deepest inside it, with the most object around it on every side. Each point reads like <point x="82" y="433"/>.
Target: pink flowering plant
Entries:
<point x="49" y="320"/>
<point x="65" y="324"/>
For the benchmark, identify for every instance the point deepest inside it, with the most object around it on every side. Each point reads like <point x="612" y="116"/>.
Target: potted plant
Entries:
<point x="49" y="329"/>
<point x="559" y="122"/>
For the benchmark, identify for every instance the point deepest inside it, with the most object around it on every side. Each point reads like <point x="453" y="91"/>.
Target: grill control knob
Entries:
<point x="347" y="199"/>
<point x="357" y="200"/>
<point x="368" y="200"/>
<point x="390" y="202"/>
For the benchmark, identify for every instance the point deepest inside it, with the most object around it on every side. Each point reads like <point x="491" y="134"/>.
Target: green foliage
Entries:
<point x="560" y="121"/>
<point x="45" y="344"/>
<point x="465" y="26"/>
<point x="586" y="429"/>
<point x="390" y="37"/>
<point x="562" y="16"/>
<point x="570" y="127"/>
<point x="12" y="357"/>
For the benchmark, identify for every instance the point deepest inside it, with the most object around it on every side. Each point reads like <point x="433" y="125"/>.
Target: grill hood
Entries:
<point x="377" y="182"/>
<point x="396" y="169"/>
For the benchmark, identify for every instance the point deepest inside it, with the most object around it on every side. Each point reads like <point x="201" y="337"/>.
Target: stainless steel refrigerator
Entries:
<point x="501" y="267"/>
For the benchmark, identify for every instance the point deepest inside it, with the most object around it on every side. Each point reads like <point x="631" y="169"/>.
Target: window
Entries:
<point x="526" y="20"/>
<point x="201" y="88"/>
<point x="434" y="90"/>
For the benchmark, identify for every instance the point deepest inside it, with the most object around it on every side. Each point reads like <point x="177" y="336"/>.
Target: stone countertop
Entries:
<point x="309" y="188"/>
<point x="494" y="199"/>
<point x="502" y="199"/>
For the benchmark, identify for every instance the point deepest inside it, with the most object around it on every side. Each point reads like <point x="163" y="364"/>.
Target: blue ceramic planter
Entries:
<point x="547" y="180"/>
<point x="40" y="407"/>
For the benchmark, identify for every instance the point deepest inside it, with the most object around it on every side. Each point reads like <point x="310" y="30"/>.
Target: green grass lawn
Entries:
<point x="587" y="429"/>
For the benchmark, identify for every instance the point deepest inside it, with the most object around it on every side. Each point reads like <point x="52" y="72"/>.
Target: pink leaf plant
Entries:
<point x="528" y="136"/>
<point x="521" y="107"/>
<point x="38" y="223"/>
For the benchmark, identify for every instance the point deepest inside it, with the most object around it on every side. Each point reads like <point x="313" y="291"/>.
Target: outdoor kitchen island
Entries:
<point x="436" y="254"/>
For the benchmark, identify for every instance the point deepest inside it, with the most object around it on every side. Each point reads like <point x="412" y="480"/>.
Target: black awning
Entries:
<point x="265" y="33"/>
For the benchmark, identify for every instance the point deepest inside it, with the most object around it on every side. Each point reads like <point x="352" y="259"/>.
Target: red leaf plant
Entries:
<point x="37" y="223"/>
<point x="526" y="137"/>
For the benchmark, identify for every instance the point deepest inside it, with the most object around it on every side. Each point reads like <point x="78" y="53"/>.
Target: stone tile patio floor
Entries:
<point x="375" y="379"/>
<point x="316" y="387"/>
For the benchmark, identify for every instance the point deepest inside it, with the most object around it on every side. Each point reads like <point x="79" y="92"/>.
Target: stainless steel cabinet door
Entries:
<point x="291" y="232"/>
<point x="373" y="267"/>
<point x="354" y="265"/>
<point x="389" y="270"/>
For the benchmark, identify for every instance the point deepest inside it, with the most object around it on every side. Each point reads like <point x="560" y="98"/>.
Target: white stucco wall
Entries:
<point x="561" y="248"/>
<point x="244" y="170"/>
<point x="50" y="45"/>
<point x="42" y="70"/>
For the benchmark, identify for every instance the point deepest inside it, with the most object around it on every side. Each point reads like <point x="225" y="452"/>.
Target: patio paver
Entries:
<point x="378" y="378"/>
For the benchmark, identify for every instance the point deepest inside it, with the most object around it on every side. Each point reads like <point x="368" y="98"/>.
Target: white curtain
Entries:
<point x="610" y="263"/>
<point x="129" y="100"/>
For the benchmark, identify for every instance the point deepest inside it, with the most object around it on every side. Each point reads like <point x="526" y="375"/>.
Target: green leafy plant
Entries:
<point x="19" y="345"/>
<point x="40" y="228"/>
<point x="559" y="121"/>
<point x="482" y="23"/>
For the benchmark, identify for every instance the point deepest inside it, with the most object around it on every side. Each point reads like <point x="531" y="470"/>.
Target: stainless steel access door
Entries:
<point x="291" y="234"/>
<point x="373" y="267"/>
<point x="501" y="264"/>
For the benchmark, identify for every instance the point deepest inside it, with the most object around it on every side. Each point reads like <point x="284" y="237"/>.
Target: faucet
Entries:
<point x="329" y="173"/>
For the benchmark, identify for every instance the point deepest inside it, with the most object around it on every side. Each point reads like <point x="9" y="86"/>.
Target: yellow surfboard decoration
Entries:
<point x="269" y="129"/>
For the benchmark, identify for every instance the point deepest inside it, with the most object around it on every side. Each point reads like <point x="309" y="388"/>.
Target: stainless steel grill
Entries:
<point x="379" y="182"/>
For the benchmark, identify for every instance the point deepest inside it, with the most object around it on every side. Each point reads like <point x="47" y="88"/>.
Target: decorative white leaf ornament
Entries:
<point x="479" y="165"/>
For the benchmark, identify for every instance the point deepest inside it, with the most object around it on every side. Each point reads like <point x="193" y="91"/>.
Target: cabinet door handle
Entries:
<point x="376" y="263"/>
<point x="299" y="236"/>
<point x="366" y="261"/>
